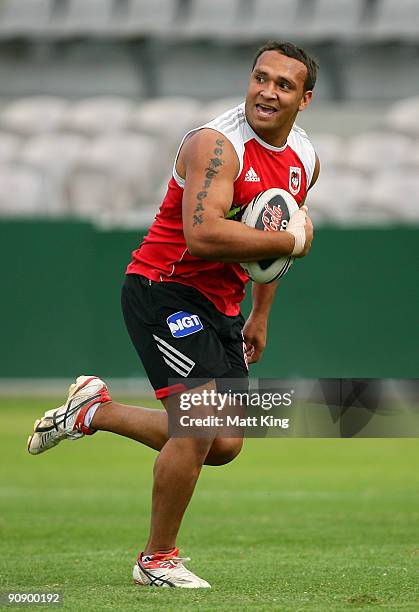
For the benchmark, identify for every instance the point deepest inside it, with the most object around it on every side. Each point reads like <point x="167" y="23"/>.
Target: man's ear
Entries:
<point x="305" y="100"/>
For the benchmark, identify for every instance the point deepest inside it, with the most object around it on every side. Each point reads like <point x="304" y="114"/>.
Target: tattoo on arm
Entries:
<point x="210" y="172"/>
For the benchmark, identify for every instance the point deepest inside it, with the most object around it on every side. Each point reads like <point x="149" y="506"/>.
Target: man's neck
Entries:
<point x="277" y="138"/>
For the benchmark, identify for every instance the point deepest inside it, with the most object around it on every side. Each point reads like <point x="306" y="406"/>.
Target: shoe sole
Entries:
<point x="166" y="586"/>
<point x="72" y="390"/>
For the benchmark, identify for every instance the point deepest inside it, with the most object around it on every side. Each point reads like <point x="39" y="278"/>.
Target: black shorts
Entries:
<point x="179" y="334"/>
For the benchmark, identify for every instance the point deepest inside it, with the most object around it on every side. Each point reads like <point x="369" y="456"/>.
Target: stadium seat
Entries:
<point x="82" y="18"/>
<point x="24" y="18"/>
<point x="54" y="155"/>
<point x="329" y="148"/>
<point x="413" y="159"/>
<point x="166" y="119"/>
<point x="277" y="19"/>
<point x="145" y="18"/>
<point x="10" y="145"/>
<point x="22" y="191"/>
<point x="370" y="151"/>
<point x="366" y="69"/>
<point x="33" y="115"/>
<point x="212" y="20"/>
<point x="54" y="149"/>
<point x="396" y="20"/>
<point x="100" y="114"/>
<point x="217" y="107"/>
<point x="397" y="193"/>
<point x="92" y="191"/>
<point x="337" y="197"/>
<point x="335" y="20"/>
<point x="200" y="70"/>
<point x="165" y="116"/>
<point x="114" y="172"/>
<point x="403" y="116"/>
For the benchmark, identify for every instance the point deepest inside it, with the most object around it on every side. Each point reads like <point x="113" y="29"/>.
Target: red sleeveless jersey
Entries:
<point x="163" y="255"/>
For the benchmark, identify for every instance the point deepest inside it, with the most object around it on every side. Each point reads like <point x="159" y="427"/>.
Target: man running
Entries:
<point x="183" y="288"/>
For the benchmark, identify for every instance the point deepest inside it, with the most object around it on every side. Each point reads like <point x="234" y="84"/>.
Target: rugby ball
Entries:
<point x="269" y="211"/>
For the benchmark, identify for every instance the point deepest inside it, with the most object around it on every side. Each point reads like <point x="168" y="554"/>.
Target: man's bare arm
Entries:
<point x="210" y="167"/>
<point x="256" y="327"/>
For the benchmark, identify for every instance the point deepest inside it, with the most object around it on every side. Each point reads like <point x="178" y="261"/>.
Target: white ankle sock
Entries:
<point x="88" y="418"/>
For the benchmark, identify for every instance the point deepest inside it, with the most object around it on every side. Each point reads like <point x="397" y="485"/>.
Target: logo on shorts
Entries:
<point x="183" y="324"/>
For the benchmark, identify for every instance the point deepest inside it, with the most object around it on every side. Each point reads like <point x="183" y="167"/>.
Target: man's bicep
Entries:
<point x="211" y="167"/>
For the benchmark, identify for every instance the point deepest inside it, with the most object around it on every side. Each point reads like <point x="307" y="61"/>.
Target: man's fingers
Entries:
<point x="253" y="353"/>
<point x="254" y="358"/>
<point x="250" y="349"/>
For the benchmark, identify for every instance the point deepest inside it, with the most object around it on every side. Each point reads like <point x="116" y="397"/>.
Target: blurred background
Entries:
<point x="94" y="98"/>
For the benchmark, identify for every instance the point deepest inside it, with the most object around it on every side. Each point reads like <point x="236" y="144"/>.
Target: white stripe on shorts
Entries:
<point x="184" y="363"/>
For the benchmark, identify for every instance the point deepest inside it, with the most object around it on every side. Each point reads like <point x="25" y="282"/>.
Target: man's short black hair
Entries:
<point x="290" y="50"/>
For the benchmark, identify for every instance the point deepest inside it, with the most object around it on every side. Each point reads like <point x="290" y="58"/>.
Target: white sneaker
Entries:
<point x="67" y="421"/>
<point x="166" y="570"/>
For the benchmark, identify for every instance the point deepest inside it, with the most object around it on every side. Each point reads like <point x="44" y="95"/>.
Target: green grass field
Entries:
<point x="290" y="525"/>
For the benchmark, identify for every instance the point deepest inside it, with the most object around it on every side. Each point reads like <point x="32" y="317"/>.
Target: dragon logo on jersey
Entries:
<point x="295" y="180"/>
<point x="183" y="324"/>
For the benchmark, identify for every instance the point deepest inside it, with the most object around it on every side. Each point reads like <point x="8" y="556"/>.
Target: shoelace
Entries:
<point x="174" y="562"/>
<point x="182" y="573"/>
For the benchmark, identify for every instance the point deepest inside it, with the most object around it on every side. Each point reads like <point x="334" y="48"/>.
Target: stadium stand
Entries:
<point x="395" y="21"/>
<point x="215" y="108"/>
<point x="320" y="20"/>
<point x="9" y="147"/>
<point x="98" y="115"/>
<point x="370" y="151"/>
<point x="337" y="196"/>
<point x="275" y="19"/>
<point x="413" y="161"/>
<point x="25" y="18"/>
<point x="330" y="149"/>
<point x="365" y="72"/>
<point x="54" y="155"/>
<point x="113" y="173"/>
<point x="82" y="18"/>
<point x="110" y="159"/>
<point x="23" y="192"/>
<point x="335" y="20"/>
<point x="403" y="116"/>
<point x="165" y="117"/>
<point x="213" y="20"/>
<point x="397" y="188"/>
<point x="95" y="95"/>
<point x="165" y="120"/>
<point x="142" y="18"/>
<point x="33" y="115"/>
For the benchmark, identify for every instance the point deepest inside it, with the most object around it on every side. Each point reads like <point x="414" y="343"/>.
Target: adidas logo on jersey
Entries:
<point x="251" y="176"/>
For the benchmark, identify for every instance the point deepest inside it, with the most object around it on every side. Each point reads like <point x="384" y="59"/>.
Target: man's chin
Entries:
<point x="264" y="123"/>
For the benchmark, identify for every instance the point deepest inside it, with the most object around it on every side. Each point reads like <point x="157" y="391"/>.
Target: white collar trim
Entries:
<point x="265" y="144"/>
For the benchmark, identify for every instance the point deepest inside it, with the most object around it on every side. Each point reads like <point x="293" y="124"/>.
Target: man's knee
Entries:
<point x="224" y="450"/>
<point x="192" y="447"/>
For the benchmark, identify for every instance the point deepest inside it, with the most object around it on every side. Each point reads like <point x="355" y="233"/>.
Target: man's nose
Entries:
<point x="268" y="91"/>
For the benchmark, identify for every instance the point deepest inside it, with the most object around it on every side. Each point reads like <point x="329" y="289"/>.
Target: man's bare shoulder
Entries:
<point x="204" y="145"/>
